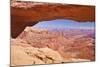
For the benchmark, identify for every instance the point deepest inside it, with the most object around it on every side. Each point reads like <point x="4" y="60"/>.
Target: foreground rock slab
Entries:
<point x="24" y="54"/>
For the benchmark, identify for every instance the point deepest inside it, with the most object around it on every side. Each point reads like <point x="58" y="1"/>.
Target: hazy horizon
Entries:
<point x="64" y="24"/>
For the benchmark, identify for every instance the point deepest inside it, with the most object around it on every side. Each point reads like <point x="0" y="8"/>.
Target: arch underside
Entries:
<point x="21" y="17"/>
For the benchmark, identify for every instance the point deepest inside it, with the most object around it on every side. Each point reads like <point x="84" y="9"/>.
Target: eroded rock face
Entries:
<point x="24" y="54"/>
<point x="29" y="13"/>
<point x="77" y="46"/>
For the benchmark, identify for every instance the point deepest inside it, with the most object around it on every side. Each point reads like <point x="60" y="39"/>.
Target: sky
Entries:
<point x="64" y="23"/>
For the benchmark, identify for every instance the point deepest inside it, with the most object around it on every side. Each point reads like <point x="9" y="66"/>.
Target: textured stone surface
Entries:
<point x="24" y="54"/>
<point x="69" y="46"/>
<point x="26" y="14"/>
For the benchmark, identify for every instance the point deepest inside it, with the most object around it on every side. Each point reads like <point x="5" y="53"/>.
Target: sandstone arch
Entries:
<point x="22" y="17"/>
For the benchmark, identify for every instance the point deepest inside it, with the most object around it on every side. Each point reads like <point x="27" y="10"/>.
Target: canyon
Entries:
<point x="41" y="46"/>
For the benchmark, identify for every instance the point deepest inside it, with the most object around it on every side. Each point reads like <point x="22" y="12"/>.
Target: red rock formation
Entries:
<point x="26" y="14"/>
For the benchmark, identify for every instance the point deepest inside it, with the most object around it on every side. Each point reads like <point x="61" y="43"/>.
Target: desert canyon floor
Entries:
<point x="39" y="46"/>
